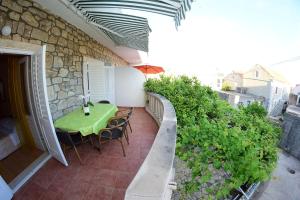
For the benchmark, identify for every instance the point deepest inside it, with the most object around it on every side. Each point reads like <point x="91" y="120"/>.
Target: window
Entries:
<point x="276" y="90"/>
<point x="218" y="83"/>
<point x="256" y="74"/>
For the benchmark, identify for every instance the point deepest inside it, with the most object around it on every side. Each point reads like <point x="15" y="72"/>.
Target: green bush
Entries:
<point x="242" y="142"/>
<point x="226" y="87"/>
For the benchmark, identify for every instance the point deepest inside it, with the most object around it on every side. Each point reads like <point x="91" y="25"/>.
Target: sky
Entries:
<point x="221" y="36"/>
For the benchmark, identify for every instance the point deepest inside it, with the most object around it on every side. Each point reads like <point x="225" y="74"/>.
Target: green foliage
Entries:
<point x="226" y="87"/>
<point x="255" y="109"/>
<point x="242" y="142"/>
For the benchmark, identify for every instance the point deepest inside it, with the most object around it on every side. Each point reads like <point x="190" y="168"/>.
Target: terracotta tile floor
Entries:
<point x="103" y="176"/>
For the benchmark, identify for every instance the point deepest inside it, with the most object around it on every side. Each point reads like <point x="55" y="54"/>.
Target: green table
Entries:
<point x="86" y="125"/>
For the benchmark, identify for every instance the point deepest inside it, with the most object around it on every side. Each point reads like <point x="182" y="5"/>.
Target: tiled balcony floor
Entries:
<point x="103" y="176"/>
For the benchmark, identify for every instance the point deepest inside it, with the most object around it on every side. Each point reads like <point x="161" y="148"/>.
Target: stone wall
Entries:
<point x="66" y="47"/>
<point x="290" y="139"/>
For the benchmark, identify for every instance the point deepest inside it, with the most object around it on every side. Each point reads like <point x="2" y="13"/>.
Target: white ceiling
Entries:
<point x="60" y="9"/>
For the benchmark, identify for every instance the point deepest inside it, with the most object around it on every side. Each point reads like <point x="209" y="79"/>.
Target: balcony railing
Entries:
<point x="154" y="178"/>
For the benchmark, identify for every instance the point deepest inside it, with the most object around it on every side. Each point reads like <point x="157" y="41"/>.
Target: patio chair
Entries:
<point x="126" y="114"/>
<point x="71" y="140"/>
<point x="104" y="101"/>
<point x="115" y="121"/>
<point x="114" y="132"/>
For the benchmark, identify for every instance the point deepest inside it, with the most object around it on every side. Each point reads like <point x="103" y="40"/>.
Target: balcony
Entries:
<point x="107" y="175"/>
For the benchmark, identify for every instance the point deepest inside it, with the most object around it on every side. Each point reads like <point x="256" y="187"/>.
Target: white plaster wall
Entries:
<point x="257" y="87"/>
<point x="282" y="94"/>
<point x="129" y="87"/>
<point x="296" y="90"/>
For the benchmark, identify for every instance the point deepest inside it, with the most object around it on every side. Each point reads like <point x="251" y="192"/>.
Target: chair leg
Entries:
<point x="78" y="155"/>
<point x="126" y="136"/>
<point x="124" y="154"/>
<point x="129" y="126"/>
<point x="91" y="140"/>
<point x="99" y="145"/>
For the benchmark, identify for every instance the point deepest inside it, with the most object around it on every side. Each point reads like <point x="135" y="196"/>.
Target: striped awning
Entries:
<point x="128" y="30"/>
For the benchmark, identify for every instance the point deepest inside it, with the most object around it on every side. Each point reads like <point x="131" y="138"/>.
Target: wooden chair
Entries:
<point x="113" y="132"/>
<point x="70" y="139"/>
<point x="104" y="102"/>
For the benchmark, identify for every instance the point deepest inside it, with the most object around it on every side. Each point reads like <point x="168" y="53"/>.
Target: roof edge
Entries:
<point x="59" y="8"/>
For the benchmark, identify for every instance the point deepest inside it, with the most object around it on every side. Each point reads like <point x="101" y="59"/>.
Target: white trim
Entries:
<point x="6" y="192"/>
<point x="16" y="51"/>
<point x="298" y="100"/>
<point x="21" y="48"/>
<point x="15" y="47"/>
<point x="30" y="171"/>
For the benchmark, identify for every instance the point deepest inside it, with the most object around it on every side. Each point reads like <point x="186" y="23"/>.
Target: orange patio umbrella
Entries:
<point x="149" y="69"/>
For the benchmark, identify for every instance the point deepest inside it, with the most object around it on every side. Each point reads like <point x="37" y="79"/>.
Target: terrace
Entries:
<point x="64" y="47"/>
<point x="103" y="176"/>
<point x="77" y="47"/>
<point x="107" y="175"/>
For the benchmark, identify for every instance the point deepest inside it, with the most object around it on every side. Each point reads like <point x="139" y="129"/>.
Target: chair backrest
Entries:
<point x="104" y="101"/>
<point x="66" y="138"/>
<point x="117" y="121"/>
<point x="124" y="126"/>
<point x="128" y="113"/>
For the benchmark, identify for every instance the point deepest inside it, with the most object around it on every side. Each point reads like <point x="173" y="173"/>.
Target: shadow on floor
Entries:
<point x="285" y="181"/>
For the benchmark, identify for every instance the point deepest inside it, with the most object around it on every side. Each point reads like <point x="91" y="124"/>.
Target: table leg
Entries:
<point x="91" y="140"/>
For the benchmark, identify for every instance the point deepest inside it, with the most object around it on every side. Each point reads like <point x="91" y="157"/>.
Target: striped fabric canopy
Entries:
<point x="128" y="30"/>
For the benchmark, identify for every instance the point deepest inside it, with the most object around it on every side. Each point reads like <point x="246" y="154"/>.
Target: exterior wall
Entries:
<point x="236" y="99"/>
<point x="296" y="90"/>
<point x="129" y="87"/>
<point x="290" y="140"/>
<point x="257" y="87"/>
<point x="260" y="86"/>
<point x="263" y="75"/>
<point x="66" y="46"/>
<point x="294" y="96"/>
<point x="278" y="98"/>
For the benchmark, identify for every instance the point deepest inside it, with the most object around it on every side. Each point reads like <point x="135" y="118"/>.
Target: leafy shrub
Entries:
<point x="242" y="142"/>
<point x="255" y="109"/>
<point x="226" y="87"/>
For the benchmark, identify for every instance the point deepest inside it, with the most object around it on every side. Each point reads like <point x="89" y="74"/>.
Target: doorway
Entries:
<point x="34" y="120"/>
<point x="20" y="144"/>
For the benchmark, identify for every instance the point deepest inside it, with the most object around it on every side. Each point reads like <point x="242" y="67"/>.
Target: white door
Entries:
<point x="5" y="191"/>
<point x="41" y="103"/>
<point x="24" y="63"/>
<point x="110" y="83"/>
<point x="98" y="80"/>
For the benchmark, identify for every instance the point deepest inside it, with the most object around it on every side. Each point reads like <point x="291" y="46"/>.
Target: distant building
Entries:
<point x="234" y="80"/>
<point x="265" y="82"/>
<point x="237" y="98"/>
<point x="219" y="81"/>
<point x="294" y="97"/>
<point x="261" y="82"/>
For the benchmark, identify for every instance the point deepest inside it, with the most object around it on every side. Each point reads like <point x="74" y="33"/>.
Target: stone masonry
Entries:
<point x="66" y="47"/>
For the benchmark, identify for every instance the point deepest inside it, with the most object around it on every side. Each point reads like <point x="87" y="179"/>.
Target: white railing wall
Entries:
<point x="155" y="107"/>
<point x="154" y="180"/>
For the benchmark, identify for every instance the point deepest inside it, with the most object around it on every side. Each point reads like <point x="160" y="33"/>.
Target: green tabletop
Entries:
<point x="87" y="124"/>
